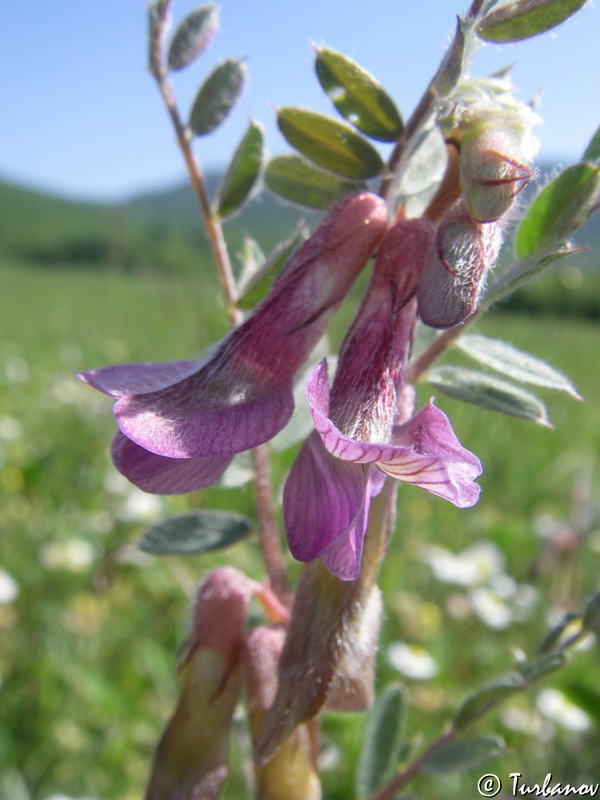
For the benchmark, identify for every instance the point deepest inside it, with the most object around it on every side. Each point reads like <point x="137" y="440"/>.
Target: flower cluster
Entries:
<point x="365" y="428"/>
<point x="493" y="134"/>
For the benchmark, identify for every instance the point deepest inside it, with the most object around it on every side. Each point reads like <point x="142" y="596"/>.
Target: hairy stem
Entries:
<point x="439" y="346"/>
<point x="268" y="527"/>
<point x="424" y="109"/>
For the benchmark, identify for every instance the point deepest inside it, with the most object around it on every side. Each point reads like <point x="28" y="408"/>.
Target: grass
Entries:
<point x="88" y="648"/>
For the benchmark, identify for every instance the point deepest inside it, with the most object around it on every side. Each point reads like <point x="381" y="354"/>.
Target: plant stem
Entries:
<point x="439" y="345"/>
<point x="268" y="527"/>
<point x="211" y="222"/>
<point x="265" y="508"/>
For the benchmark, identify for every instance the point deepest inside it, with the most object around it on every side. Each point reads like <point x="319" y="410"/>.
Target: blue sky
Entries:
<point x="82" y="116"/>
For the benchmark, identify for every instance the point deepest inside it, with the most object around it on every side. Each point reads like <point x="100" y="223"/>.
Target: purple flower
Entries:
<point x="357" y="441"/>
<point x="181" y="423"/>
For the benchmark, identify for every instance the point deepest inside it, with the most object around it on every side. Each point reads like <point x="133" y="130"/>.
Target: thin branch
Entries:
<point x="265" y="508"/>
<point x="439" y="346"/>
<point x="268" y="527"/>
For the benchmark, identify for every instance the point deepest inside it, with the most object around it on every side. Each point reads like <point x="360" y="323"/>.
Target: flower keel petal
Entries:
<point x="322" y="500"/>
<point x="162" y="475"/>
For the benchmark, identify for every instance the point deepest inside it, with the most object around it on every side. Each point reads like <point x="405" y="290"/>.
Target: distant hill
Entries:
<point x="161" y="230"/>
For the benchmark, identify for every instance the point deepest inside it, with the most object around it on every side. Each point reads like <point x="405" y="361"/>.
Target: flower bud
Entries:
<point x="328" y="660"/>
<point x="491" y="170"/>
<point x="291" y="773"/>
<point x="455" y="274"/>
<point x="190" y="760"/>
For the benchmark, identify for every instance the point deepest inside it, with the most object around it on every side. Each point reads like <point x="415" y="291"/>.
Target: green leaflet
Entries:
<point x="513" y="363"/>
<point x="193" y="36"/>
<point x="524" y="18"/>
<point x="217" y="96"/>
<point x="482" y="700"/>
<point x="358" y="97"/>
<point x="330" y="144"/>
<point x="488" y="392"/>
<point x="560" y="208"/>
<point x="243" y="172"/>
<point x="461" y="756"/>
<point x="196" y="532"/>
<point x="382" y="741"/>
<point x="258" y="280"/>
<point x="592" y="151"/>
<point x="296" y="179"/>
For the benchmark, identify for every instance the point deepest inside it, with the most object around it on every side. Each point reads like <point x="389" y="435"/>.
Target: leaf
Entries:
<point x="559" y="209"/>
<point x="516" y="364"/>
<point x="554" y="638"/>
<point x="488" y="392"/>
<point x="524" y="18"/>
<point x="252" y="260"/>
<point x="461" y="756"/>
<point x="243" y="172"/>
<point x="358" y="96"/>
<point x="330" y="144"/>
<point x="586" y="698"/>
<point x="591" y="615"/>
<point x="297" y="180"/>
<point x="193" y="36"/>
<point x="258" y="284"/>
<point x="523" y="271"/>
<point x="451" y="68"/>
<point x="592" y="151"/>
<point x="195" y="532"/>
<point x="481" y="701"/>
<point x="217" y="96"/>
<point x="543" y="667"/>
<point x="427" y="163"/>
<point x="382" y="741"/>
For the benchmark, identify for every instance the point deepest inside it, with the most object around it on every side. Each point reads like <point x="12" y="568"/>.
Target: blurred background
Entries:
<point x="103" y="259"/>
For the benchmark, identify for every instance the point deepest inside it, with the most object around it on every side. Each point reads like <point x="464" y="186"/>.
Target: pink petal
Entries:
<point x="121" y="379"/>
<point x="162" y="475"/>
<point x="344" y="557"/>
<point x="322" y="500"/>
<point x="185" y="421"/>
<point x="424" y="450"/>
<point x="338" y="444"/>
<point x="427" y="453"/>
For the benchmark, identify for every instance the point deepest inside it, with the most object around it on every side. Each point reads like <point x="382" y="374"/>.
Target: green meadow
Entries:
<point x="90" y="625"/>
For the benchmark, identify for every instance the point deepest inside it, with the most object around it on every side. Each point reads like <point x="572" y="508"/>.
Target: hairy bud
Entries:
<point x="190" y="760"/>
<point x="492" y="172"/>
<point x="456" y="272"/>
<point x="291" y="774"/>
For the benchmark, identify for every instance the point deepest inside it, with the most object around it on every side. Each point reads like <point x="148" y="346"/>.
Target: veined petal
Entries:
<point x="427" y="453"/>
<point x="162" y="475"/>
<point x="424" y="450"/>
<point x="322" y="500"/>
<point x="184" y="421"/>
<point x="121" y="379"/>
<point x="344" y="557"/>
<point x="338" y="444"/>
